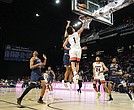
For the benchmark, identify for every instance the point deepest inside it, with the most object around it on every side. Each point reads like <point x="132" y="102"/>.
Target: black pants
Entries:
<point x="80" y="84"/>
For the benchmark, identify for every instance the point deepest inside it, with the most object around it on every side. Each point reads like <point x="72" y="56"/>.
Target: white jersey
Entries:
<point x="46" y="77"/>
<point x="97" y="69"/>
<point x="74" y="41"/>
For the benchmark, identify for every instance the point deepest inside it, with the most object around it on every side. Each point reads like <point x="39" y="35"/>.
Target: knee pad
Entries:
<point x="94" y="85"/>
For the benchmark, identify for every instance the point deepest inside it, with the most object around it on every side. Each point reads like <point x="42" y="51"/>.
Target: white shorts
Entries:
<point x="100" y="77"/>
<point x="46" y="77"/>
<point x="75" y="55"/>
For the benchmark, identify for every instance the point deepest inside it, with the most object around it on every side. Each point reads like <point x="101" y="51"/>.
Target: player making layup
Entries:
<point x="99" y="69"/>
<point x="36" y="75"/>
<point x="75" y="48"/>
<point x="68" y="73"/>
<point x="66" y="60"/>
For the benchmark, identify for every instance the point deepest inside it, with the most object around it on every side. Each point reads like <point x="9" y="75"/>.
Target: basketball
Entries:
<point x="83" y="6"/>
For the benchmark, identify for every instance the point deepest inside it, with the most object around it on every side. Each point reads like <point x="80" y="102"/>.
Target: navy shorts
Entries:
<point x="115" y="80"/>
<point x="50" y="80"/>
<point x="66" y="59"/>
<point x="36" y="77"/>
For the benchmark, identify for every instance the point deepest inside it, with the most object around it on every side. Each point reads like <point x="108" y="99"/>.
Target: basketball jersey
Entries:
<point x="74" y="41"/>
<point x="113" y="69"/>
<point x="37" y="69"/>
<point x="97" y="68"/>
<point x="68" y="46"/>
<point x="50" y="75"/>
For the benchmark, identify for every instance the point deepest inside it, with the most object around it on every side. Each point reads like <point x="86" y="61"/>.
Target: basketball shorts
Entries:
<point x="100" y="77"/>
<point x="66" y="60"/>
<point x="36" y="77"/>
<point x="75" y="55"/>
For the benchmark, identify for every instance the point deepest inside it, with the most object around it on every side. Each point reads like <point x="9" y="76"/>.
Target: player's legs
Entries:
<point x="111" y="85"/>
<point x="107" y="90"/>
<point x="51" y="87"/>
<point x="80" y="85"/>
<point x="78" y="57"/>
<point x="99" y="84"/>
<point x="66" y="61"/>
<point x="43" y="89"/>
<point x="94" y="85"/>
<point x="70" y="78"/>
<point x="66" y="75"/>
<point x="103" y="82"/>
<point x="73" y="59"/>
<point x="73" y="65"/>
<point x="32" y="85"/>
<point x="34" y="79"/>
<point x="124" y="90"/>
<point x="77" y="67"/>
<point x="75" y="56"/>
<point x="114" y="84"/>
<point x="70" y="75"/>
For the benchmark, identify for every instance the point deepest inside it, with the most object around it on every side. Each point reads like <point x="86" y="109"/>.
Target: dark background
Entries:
<point x="20" y="26"/>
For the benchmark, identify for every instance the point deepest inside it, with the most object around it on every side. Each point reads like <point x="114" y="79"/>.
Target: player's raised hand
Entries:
<point x="44" y="56"/>
<point x="84" y="48"/>
<point x="68" y="21"/>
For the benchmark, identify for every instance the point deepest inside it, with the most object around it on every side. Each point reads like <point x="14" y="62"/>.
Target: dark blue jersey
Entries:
<point x="68" y="46"/>
<point x="113" y="69"/>
<point x="37" y="69"/>
<point x="50" y="75"/>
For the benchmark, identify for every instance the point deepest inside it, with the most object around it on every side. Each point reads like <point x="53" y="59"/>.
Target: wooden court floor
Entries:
<point x="63" y="100"/>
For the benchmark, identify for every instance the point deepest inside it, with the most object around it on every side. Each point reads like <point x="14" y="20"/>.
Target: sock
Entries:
<point x="32" y="85"/>
<point x="110" y="96"/>
<point x="65" y="81"/>
<point x="74" y="73"/>
<point x="40" y="98"/>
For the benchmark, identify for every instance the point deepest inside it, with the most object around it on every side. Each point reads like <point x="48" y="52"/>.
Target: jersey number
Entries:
<point x="74" y="40"/>
<point x="97" y="69"/>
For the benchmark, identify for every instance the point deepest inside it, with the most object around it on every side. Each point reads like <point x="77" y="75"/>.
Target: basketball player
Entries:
<point x="115" y="71"/>
<point x="75" y="48"/>
<point x="36" y="75"/>
<point x="66" y="60"/>
<point x="68" y="74"/>
<point x="51" y="77"/>
<point x="99" y="69"/>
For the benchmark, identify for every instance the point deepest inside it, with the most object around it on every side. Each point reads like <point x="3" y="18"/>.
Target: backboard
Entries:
<point x="99" y="10"/>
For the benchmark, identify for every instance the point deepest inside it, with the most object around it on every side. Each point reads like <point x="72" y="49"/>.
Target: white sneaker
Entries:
<point x="51" y="92"/>
<point x="70" y="86"/>
<point x="65" y="85"/>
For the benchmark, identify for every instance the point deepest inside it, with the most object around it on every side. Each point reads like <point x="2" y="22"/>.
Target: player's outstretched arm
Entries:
<point x="68" y="23"/>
